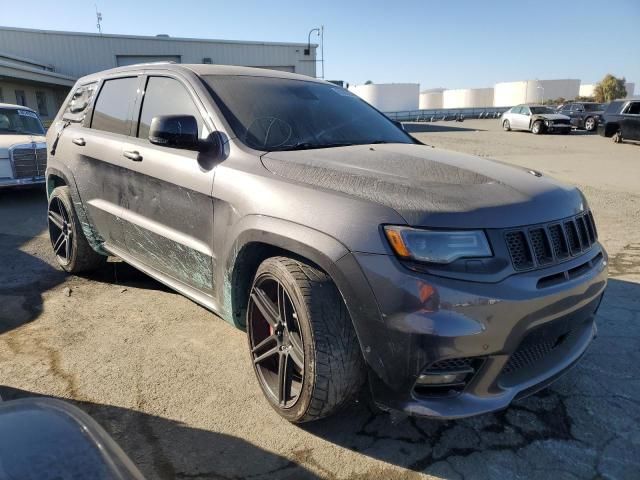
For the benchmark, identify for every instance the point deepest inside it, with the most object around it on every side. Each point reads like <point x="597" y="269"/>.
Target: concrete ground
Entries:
<point x="173" y="384"/>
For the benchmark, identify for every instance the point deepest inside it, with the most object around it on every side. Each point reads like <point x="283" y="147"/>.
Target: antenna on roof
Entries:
<point x="99" y="20"/>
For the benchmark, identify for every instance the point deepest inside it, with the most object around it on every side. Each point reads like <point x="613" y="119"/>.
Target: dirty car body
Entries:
<point x="23" y="153"/>
<point x="467" y="282"/>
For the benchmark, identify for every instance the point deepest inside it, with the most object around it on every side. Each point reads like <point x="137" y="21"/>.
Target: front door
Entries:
<point x="521" y="118"/>
<point x="167" y="204"/>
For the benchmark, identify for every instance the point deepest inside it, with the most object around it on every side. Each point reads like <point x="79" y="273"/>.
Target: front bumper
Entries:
<point x="425" y="319"/>
<point x="562" y="127"/>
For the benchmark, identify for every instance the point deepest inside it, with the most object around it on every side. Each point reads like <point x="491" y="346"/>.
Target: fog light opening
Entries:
<point x="445" y="381"/>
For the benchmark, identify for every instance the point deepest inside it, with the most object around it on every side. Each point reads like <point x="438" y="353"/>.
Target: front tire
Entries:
<point x="303" y="347"/>
<point x="506" y="126"/>
<point x="537" y="128"/>
<point x="73" y="252"/>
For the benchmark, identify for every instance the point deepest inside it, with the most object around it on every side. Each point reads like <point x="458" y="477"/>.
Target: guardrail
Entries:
<point x="438" y="114"/>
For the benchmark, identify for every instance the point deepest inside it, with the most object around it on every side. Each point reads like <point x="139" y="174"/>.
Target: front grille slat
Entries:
<point x="29" y="162"/>
<point x="548" y="244"/>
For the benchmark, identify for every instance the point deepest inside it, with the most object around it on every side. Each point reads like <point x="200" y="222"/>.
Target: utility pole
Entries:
<point x="99" y="20"/>
<point x="322" y="49"/>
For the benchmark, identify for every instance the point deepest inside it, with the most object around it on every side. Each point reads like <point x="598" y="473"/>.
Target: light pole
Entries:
<point x="320" y="33"/>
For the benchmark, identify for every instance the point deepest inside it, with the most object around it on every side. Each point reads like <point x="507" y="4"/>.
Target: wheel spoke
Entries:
<point x="268" y="354"/>
<point x="265" y="305"/>
<point x="67" y="247"/>
<point x="56" y="246"/>
<point x="56" y="219"/>
<point x="296" y="352"/>
<point x="282" y="304"/>
<point x="284" y="379"/>
<point x="264" y="343"/>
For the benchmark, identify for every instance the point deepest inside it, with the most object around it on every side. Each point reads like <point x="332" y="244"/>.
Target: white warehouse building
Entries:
<point x="587" y="89"/>
<point x="507" y="94"/>
<point x="431" y="98"/>
<point x="467" y="98"/>
<point x="37" y="67"/>
<point x="389" y="97"/>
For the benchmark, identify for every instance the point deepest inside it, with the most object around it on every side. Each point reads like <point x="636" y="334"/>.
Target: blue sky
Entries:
<point x="453" y="44"/>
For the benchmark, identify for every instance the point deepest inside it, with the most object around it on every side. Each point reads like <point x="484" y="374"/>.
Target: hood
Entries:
<point x="7" y="141"/>
<point x="552" y="116"/>
<point x="432" y="187"/>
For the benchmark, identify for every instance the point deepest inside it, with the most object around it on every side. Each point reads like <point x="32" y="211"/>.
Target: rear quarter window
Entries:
<point x="113" y="105"/>
<point x="78" y="106"/>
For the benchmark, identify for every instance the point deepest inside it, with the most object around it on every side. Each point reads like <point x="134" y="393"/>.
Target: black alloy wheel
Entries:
<point x="60" y="231"/>
<point x="276" y="343"/>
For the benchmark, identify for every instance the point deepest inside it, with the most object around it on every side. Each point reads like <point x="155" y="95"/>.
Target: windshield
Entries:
<point x="15" y="120"/>
<point x="539" y="110"/>
<point x="283" y="114"/>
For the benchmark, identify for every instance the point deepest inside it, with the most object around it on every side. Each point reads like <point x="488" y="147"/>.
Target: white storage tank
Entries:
<point x="507" y="94"/>
<point x="431" y="98"/>
<point x="389" y="97"/>
<point x="467" y="98"/>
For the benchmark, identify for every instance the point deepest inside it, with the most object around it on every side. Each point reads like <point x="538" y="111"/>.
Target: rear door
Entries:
<point x="167" y="204"/>
<point x="630" y="123"/>
<point x="93" y="150"/>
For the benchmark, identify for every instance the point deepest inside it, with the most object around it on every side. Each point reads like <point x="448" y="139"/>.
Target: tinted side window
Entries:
<point x="76" y="109"/>
<point x="112" y="106"/>
<point x="525" y="110"/>
<point x="516" y="109"/>
<point x="633" y="108"/>
<point x="166" y="96"/>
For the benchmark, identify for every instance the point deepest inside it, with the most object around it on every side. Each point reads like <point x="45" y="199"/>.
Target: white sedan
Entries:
<point x="535" y="118"/>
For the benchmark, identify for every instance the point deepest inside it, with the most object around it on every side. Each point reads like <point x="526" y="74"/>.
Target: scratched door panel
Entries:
<point x="168" y="213"/>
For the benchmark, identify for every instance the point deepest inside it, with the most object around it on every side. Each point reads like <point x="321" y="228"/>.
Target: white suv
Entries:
<point x="23" y="151"/>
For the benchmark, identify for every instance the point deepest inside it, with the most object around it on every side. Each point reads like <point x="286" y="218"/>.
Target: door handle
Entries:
<point x="79" y="141"/>
<point x="133" y="155"/>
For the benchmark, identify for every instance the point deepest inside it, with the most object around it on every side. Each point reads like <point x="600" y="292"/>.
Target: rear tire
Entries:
<point x="306" y="308"/>
<point x="73" y="252"/>
<point x="537" y="127"/>
<point x="590" y="124"/>
<point x="506" y="126"/>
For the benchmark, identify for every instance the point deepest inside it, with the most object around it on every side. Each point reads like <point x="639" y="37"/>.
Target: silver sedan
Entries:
<point x="535" y="118"/>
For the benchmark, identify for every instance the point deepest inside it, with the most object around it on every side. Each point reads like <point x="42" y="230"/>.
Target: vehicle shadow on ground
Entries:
<point x="167" y="449"/>
<point x="412" y="127"/>
<point x="593" y="404"/>
<point x="25" y="276"/>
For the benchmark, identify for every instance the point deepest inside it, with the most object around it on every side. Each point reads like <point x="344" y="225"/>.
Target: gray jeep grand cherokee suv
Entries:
<point x="351" y="253"/>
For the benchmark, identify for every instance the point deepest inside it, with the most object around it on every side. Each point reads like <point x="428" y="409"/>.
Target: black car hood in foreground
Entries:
<point x="430" y="186"/>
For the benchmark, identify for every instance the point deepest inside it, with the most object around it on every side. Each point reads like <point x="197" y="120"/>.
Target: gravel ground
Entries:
<point x="173" y="385"/>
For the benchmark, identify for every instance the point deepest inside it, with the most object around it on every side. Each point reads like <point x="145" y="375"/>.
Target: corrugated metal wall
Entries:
<point x="80" y="54"/>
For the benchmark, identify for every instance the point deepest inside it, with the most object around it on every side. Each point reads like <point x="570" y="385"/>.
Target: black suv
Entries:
<point x="583" y="114"/>
<point x="621" y="120"/>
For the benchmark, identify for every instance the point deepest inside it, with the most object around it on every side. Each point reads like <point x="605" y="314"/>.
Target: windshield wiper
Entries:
<point x="311" y="146"/>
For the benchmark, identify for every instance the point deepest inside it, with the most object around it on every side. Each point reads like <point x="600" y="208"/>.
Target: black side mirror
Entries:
<point x="175" y="131"/>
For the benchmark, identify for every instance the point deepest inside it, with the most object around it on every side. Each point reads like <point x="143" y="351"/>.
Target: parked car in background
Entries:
<point x="23" y="152"/>
<point x="350" y="253"/>
<point x="621" y="121"/>
<point x="535" y="118"/>
<point x="583" y="115"/>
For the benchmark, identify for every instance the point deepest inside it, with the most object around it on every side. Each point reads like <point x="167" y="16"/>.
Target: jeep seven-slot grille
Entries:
<point x="548" y="244"/>
<point x="29" y="162"/>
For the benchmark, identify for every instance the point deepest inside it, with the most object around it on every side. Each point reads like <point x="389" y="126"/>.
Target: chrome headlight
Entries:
<point x="437" y="246"/>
